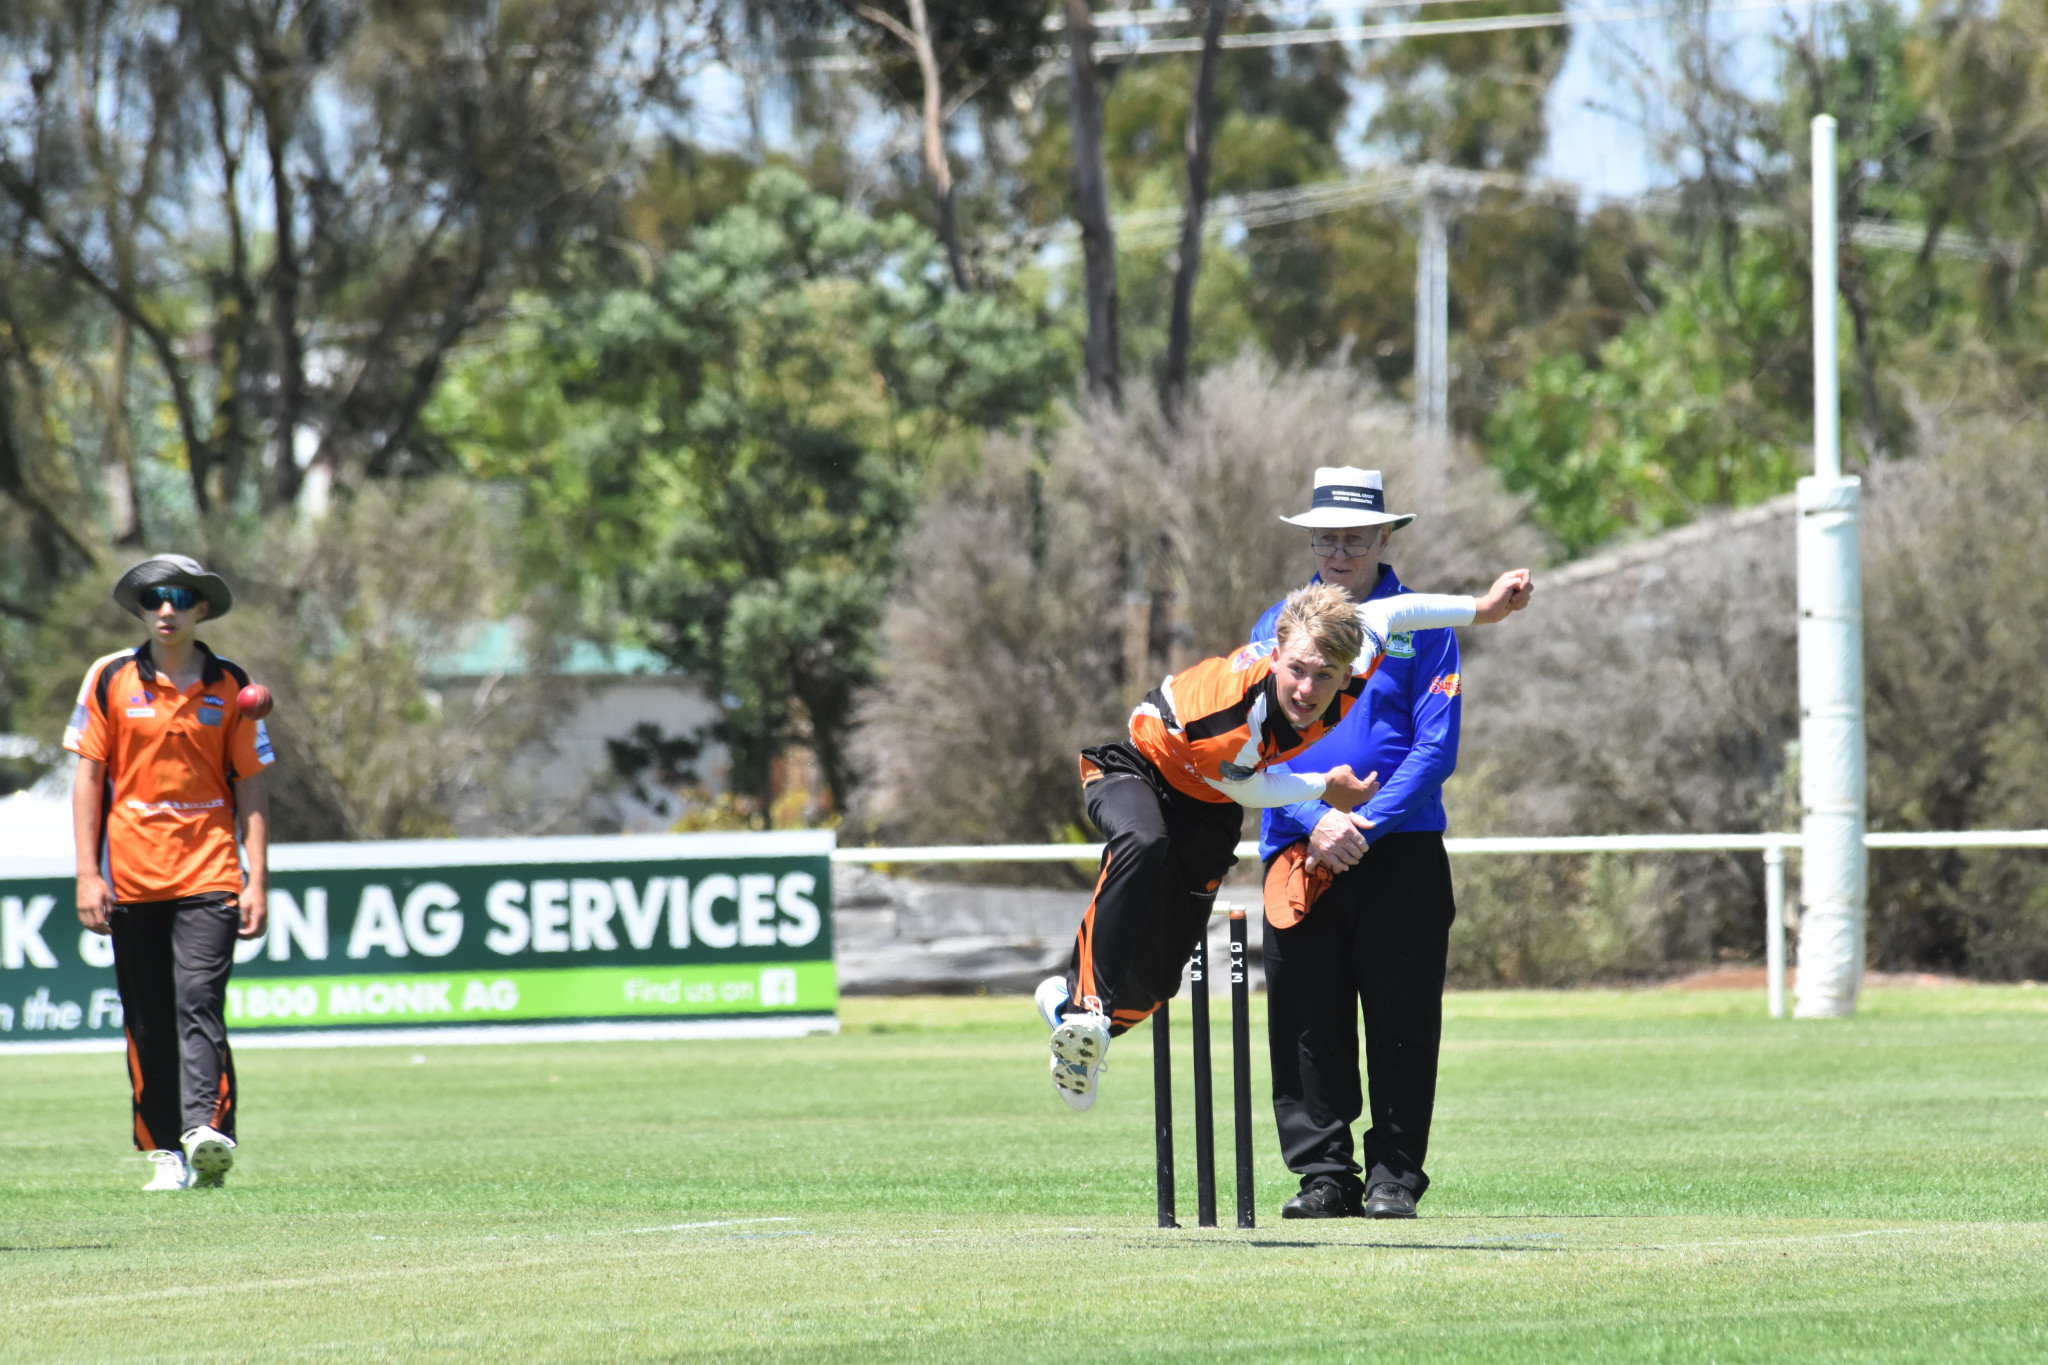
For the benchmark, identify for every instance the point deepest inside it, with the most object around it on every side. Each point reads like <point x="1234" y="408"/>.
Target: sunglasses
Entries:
<point x="181" y="599"/>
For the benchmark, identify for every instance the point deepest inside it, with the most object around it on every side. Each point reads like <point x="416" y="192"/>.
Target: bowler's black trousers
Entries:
<point x="1376" y="940"/>
<point x="1164" y="855"/>
<point x="171" y="962"/>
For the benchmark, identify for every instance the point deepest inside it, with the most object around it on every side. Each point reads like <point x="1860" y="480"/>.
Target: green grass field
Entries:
<point x="1658" y="1175"/>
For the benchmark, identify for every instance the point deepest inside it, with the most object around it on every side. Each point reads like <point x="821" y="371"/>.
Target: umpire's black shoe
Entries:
<point x="1322" y="1199"/>
<point x="1388" y="1200"/>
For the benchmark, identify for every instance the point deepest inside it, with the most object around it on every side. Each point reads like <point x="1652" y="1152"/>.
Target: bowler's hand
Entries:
<point x="1510" y="593"/>
<point x="255" y="909"/>
<point x="1338" y="840"/>
<point x="95" y="902"/>
<point x="1345" y="790"/>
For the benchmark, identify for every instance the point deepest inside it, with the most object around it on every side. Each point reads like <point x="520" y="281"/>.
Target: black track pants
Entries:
<point x="1375" y="940"/>
<point x="171" y="962"/>
<point x="1166" y="855"/>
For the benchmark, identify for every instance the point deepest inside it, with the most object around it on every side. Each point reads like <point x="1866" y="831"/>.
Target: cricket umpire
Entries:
<point x="1359" y="906"/>
<point x="170" y="772"/>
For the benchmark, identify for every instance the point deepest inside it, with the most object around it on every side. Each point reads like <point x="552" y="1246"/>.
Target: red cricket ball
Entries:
<point x="255" y="701"/>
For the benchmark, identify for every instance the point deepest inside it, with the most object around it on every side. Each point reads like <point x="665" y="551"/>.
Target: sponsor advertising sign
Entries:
<point x="473" y="940"/>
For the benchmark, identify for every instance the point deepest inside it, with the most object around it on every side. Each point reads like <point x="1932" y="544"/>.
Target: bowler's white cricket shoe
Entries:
<point x="1080" y="1046"/>
<point x="1049" y="997"/>
<point x="209" y="1153"/>
<point x="1074" y="1083"/>
<point x="170" y="1171"/>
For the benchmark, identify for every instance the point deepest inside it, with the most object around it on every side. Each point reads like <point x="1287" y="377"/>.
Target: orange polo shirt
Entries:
<point x="168" y="811"/>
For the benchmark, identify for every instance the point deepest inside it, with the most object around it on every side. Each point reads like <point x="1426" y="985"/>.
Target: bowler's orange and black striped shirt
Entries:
<point x="1220" y="720"/>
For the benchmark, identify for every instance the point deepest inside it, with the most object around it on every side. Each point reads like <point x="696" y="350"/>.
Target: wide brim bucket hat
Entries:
<point x="1346" y="495"/>
<point x="173" y="571"/>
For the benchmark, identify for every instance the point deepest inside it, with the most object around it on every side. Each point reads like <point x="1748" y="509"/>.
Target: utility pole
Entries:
<point x="1432" y="346"/>
<point x="1834" y="867"/>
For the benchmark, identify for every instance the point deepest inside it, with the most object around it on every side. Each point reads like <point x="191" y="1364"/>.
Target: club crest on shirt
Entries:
<point x="209" y="715"/>
<point x="1401" y="646"/>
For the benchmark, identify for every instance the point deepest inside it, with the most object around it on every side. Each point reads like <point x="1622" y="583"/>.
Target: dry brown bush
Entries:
<point x="998" y="658"/>
<point x="1651" y="691"/>
<point x="1957" y="651"/>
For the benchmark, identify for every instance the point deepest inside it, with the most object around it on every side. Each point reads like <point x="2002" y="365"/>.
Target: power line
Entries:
<point x="1302" y="36"/>
<point x="1419" y="28"/>
<point x="1146" y="229"/>
<point x="1167" y="17"/>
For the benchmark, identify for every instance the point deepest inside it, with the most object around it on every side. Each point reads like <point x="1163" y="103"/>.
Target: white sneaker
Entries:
<point x="1050" y="995"/>
<point x="1080" y="1046"/>
<point x="170" y="1171"/>
<point x="209" y="1153"/>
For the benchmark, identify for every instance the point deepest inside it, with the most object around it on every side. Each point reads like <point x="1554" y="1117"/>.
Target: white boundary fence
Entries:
<point x="1772" y="846"/>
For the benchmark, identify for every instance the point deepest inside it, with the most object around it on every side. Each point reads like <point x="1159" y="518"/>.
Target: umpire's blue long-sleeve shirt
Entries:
<point x="1405" y="728"/>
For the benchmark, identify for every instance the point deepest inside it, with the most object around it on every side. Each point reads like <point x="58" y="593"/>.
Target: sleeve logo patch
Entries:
<point x="1401" y="646"/>
<point x="1450" y="684"/>
<point x="140" y="712"/>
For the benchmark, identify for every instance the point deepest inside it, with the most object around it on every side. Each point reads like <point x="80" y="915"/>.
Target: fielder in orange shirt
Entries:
<point x="170" y="772"/>
<point x="1170" y="800"/>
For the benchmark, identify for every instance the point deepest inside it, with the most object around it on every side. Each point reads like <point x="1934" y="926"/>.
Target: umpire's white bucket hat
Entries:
<point x="1349" y="496"/>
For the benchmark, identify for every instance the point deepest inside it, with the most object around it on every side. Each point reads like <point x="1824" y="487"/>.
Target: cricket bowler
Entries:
<point x="1170" y="799"/>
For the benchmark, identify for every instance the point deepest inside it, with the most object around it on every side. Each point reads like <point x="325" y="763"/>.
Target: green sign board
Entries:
<point x="473" y="940"/>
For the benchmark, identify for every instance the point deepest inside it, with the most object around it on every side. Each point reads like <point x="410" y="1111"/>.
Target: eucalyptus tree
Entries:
<point x="271" y="220"/>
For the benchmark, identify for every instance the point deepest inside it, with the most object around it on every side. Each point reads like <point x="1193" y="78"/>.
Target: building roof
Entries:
<point x="498" y="649"/>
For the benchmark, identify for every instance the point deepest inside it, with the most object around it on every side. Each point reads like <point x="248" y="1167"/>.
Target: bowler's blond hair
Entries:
<point x="1322" y="614"/>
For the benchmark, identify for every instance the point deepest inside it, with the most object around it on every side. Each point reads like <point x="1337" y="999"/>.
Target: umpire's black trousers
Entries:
<point x="1377" y="940"/>
<point x="171" y="962"/>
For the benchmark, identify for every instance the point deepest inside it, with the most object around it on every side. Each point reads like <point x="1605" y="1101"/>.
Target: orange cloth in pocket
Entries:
<point x="1292" y="886"/>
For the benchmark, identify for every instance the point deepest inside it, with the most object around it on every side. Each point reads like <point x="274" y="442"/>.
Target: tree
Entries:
<point x="290" y="212"/>
<point x="1091" y="204"/>
<point x="1194" y="203"/>
<point x="1473" y="100"/>
<point x="984" y="48"/>
<point x="728" y="453"/>
<point x="1706" y="396"/>
<point x="917" y="36"/>
<point x="1694" y="405"/>
<point x="1752" y="152"/>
